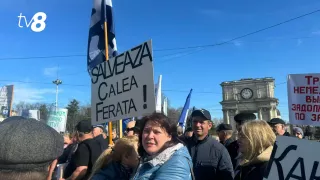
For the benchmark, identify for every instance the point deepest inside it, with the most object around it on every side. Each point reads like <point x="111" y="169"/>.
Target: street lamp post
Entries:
<point x="57" y="82"/>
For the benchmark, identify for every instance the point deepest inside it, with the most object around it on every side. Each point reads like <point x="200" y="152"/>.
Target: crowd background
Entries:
<point x="154" y="147"/>
<point x="78" y="111"/>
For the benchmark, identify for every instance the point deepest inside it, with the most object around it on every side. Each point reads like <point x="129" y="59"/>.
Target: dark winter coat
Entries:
<point x="233" y="149"/>
<point x="102" y="142"/>
<point x="210" y="158"/>
<point x="255" y="169"/>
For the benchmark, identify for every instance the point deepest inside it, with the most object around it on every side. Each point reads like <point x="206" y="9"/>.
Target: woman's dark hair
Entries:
<point x="136" y="130"/>
<point x="165" y="123"/>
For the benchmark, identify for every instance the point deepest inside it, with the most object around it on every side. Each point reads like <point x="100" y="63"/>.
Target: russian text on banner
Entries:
<point x="293" y="158"/>
<point x="304" y="99"/>
<point x="123" y="87"/>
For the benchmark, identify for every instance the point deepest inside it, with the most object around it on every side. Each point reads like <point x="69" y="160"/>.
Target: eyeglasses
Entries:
<point x="129" y="129"/>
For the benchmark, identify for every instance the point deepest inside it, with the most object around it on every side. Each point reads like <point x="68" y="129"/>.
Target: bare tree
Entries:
<point x="217" y="121"/>
<point x="42" y="107"/>
<point x="174" y="114"/>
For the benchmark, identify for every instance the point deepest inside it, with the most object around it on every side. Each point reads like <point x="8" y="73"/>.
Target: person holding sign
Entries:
<point x="256" y="140"/>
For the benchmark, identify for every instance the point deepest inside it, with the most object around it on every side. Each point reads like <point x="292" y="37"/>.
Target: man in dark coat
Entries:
<point x="97" y="131"/>
<point x="225" y="134"/>
<point x="279" y="127"/>
<point x="211" y="159"/>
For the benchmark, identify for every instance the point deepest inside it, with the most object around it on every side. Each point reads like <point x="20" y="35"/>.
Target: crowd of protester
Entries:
<point x="154" y="149"/>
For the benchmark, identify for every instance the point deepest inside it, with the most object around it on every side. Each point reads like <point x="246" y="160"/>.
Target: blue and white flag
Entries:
<point x="101" y="14"/>
<point x="184" y="112"/>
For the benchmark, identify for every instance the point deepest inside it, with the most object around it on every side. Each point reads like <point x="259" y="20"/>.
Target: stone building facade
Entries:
<point x="249" y="95"/>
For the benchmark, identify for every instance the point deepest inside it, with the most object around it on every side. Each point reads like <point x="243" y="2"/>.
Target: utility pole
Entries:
<point x="57" y="82"/>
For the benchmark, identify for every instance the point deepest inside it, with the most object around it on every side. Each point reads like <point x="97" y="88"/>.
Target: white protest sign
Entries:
<point x="123" y="86"/>
<point x="6" y="98"/>
<point x="3" y="96"/>
<point x="58" y="119"/>
<point x="304" y="99"/>
<point x="35" y="114"/>
<point x="294" y="158"/>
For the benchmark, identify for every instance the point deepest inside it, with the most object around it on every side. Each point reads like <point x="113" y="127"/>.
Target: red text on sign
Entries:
<point x="315" y="117"/>
<point x="313" y="99"/>
<point x="306" y="90"/>
<point x="305" y="108"/>
<point x="300" y="116"/>
<point x="312" y="79"/>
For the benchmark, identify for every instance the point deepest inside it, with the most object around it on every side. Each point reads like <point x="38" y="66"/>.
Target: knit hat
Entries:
<point x="297" y="130"/>
<point x="28" y="144"/>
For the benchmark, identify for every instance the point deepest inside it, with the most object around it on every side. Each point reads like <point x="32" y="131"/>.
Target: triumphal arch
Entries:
<point x="249" y="95"/>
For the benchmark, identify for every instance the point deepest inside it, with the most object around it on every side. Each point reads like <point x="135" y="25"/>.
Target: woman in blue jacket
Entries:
<point x="163" y="157"/>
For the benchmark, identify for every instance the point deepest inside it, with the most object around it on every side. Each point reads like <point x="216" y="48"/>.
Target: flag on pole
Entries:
<point x="184" y="113"/>
<point x="101" y="13"/>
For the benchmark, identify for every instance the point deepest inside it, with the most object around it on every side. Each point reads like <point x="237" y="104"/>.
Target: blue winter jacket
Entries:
<point x="172" y="163"/>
